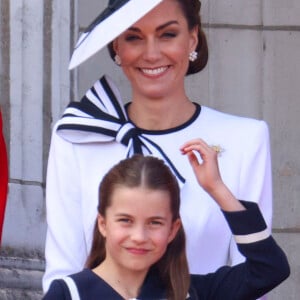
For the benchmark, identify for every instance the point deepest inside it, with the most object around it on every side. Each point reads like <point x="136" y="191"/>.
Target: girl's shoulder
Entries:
<point x="82" y="285"/>
<point x="91" y="286"/>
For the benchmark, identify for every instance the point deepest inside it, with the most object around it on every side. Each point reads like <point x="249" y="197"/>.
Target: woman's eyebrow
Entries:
<point x="136" y="29"/>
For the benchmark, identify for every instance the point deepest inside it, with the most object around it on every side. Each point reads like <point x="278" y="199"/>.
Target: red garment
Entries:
<point x="3" y="177"/>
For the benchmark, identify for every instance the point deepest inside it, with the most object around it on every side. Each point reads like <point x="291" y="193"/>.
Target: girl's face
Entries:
<point x="155" y="51"/>
<point x="138" y="227"/>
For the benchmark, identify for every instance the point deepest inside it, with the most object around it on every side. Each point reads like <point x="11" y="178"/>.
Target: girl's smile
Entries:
<point x="137" y="251"/>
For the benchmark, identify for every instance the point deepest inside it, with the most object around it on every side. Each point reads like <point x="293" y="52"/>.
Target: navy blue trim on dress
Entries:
<point x="169" y="130"/>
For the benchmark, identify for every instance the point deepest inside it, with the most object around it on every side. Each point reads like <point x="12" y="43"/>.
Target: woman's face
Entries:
<point x="137" y="228"/>
<point x="154" y="51"/>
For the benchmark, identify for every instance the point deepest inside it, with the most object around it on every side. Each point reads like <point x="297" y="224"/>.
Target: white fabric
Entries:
<point x="92" y="42"/>
<point x="252" y="238"/>
<point x="79" y="124"/>
<point x="75" y="170"/>
<point x="72" y="288"/>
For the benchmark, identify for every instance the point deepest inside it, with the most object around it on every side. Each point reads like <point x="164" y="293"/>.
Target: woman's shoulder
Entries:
<point x="215" y="114"/>
<point x="219" y="119"/>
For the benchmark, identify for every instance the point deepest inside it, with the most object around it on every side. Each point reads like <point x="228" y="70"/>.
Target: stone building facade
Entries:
<point x="253" y="70"/>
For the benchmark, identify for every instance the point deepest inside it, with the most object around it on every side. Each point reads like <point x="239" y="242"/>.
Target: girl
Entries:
<point x="138" y="249"/>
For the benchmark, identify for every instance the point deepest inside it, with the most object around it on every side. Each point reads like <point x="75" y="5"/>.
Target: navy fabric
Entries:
<point x="266" y="266"/>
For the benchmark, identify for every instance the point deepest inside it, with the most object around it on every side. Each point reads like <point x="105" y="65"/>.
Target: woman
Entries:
<point x="138" y="249"/>
<point x="155" y="53"/>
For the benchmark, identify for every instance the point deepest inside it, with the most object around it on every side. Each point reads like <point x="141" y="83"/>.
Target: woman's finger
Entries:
<point x="197" y="144"/>
<point x="205" y="151"/>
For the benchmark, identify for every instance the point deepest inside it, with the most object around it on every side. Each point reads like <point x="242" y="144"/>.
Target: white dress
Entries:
<point x="80" y="156"/>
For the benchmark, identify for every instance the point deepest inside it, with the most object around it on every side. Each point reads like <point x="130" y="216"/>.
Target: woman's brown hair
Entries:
<point x="191" y="11"/>
<point x="152" y="173"/>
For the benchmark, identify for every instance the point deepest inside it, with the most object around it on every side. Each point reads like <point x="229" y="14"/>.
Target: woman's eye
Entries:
<point x="169" y="34"/>
<point x="130" y="38"/>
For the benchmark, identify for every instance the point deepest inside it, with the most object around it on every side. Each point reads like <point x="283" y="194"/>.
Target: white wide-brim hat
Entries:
<point x="118" y="16"/>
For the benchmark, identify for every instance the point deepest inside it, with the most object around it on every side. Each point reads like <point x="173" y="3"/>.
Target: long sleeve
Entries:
<point x="65" y="249"/>
<point x="255" y="182"/>
<point x="266" y="265"/>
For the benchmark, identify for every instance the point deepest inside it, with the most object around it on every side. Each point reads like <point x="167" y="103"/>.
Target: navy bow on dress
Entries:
<point x="100" y="117"/>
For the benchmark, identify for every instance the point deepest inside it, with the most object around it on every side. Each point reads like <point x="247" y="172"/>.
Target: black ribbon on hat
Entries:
<point x="113" y="5"/>
<point x="100" y="117"/>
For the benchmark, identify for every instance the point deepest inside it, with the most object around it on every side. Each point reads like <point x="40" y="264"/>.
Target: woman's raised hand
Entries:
<point x="206" y="169"/>
<point x="208" y="175"/>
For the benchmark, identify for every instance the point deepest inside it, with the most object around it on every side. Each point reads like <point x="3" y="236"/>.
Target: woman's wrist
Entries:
<point x="225" y="199"/>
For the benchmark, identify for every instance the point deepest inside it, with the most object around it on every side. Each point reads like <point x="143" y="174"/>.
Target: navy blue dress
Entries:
<point x="266" y="266"/>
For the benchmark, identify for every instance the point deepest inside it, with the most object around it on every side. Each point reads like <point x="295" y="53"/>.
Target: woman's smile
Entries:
<point x="158" y="47"/>
<point x="154" y="71"/>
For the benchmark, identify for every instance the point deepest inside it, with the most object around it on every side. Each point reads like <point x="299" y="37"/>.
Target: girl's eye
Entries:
<point x="156" y="223"/>
<point x="124" y="220"/>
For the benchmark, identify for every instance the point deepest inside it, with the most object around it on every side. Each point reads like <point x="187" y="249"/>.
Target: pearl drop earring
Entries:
<point x="117" y="60"/>
<point x="193" y="56"/>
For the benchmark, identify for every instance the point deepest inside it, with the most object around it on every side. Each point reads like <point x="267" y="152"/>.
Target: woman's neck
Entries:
<point x="160" y="115"/>
<point x="125" y="282"/>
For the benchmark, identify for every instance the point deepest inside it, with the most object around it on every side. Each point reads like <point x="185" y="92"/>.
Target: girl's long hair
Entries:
<point x="151" y="173"/>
